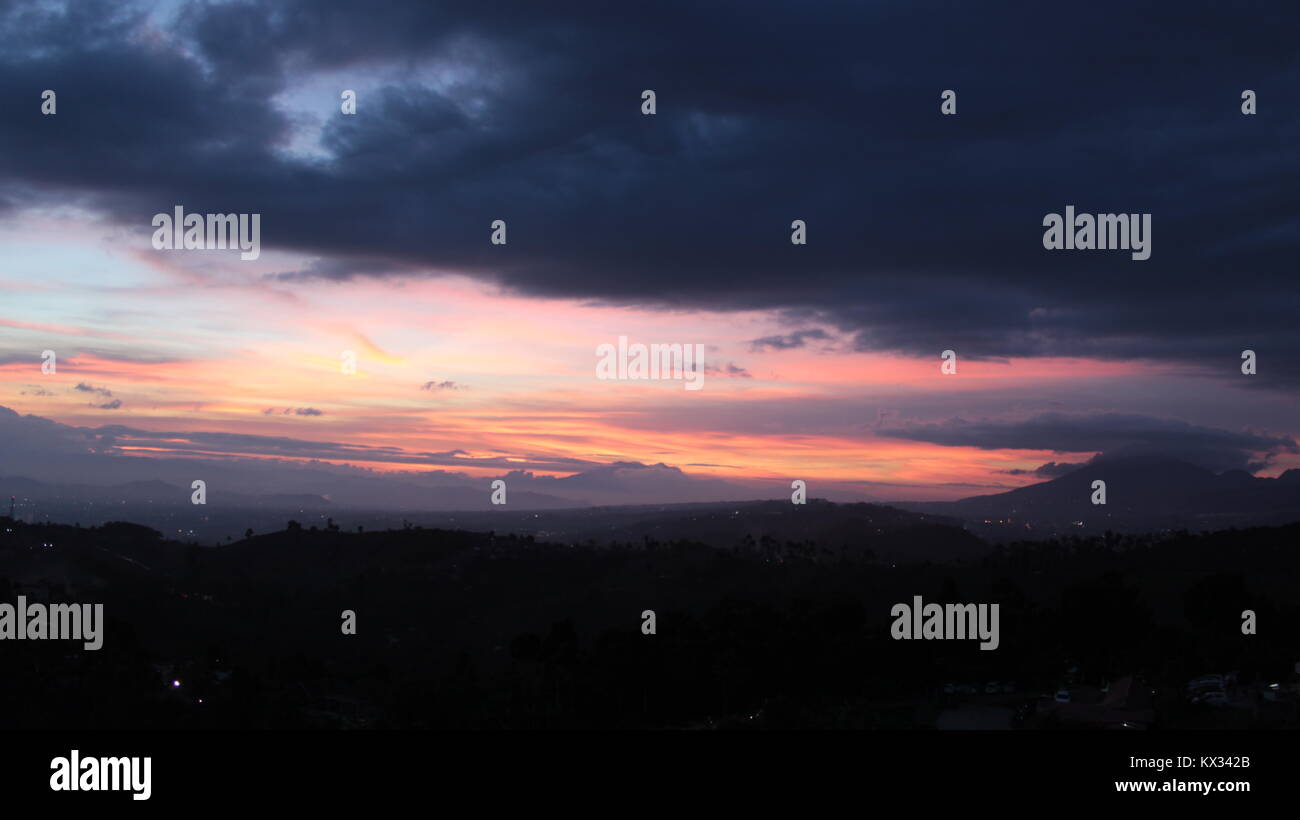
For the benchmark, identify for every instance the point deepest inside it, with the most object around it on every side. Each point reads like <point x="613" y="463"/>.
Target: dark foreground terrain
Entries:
<point x="476" y="630"/>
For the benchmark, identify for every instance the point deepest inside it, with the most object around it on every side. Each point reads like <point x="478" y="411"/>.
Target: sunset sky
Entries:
<point x="823" y="360"/>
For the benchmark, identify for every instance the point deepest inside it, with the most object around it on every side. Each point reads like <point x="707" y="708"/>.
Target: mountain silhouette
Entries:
<point x="1144" y="492"/>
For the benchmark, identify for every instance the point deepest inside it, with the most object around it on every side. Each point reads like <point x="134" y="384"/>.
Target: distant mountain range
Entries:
<point x="612" y="484"/>
<point x="89" y="465"/>
<point x="886" y="532"/>
<point x="158" y="493"/>
<point x="1144" y="493"/>
<point x="133" y="500"/>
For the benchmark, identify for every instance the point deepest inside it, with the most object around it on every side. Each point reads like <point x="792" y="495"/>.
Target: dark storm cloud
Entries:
<point x="1107" y="433"/>
<point x="1052" y="469"/>
<point x="345" y="269"/>
<point x="924" y="232"/>
<point x="788" y="341"/>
